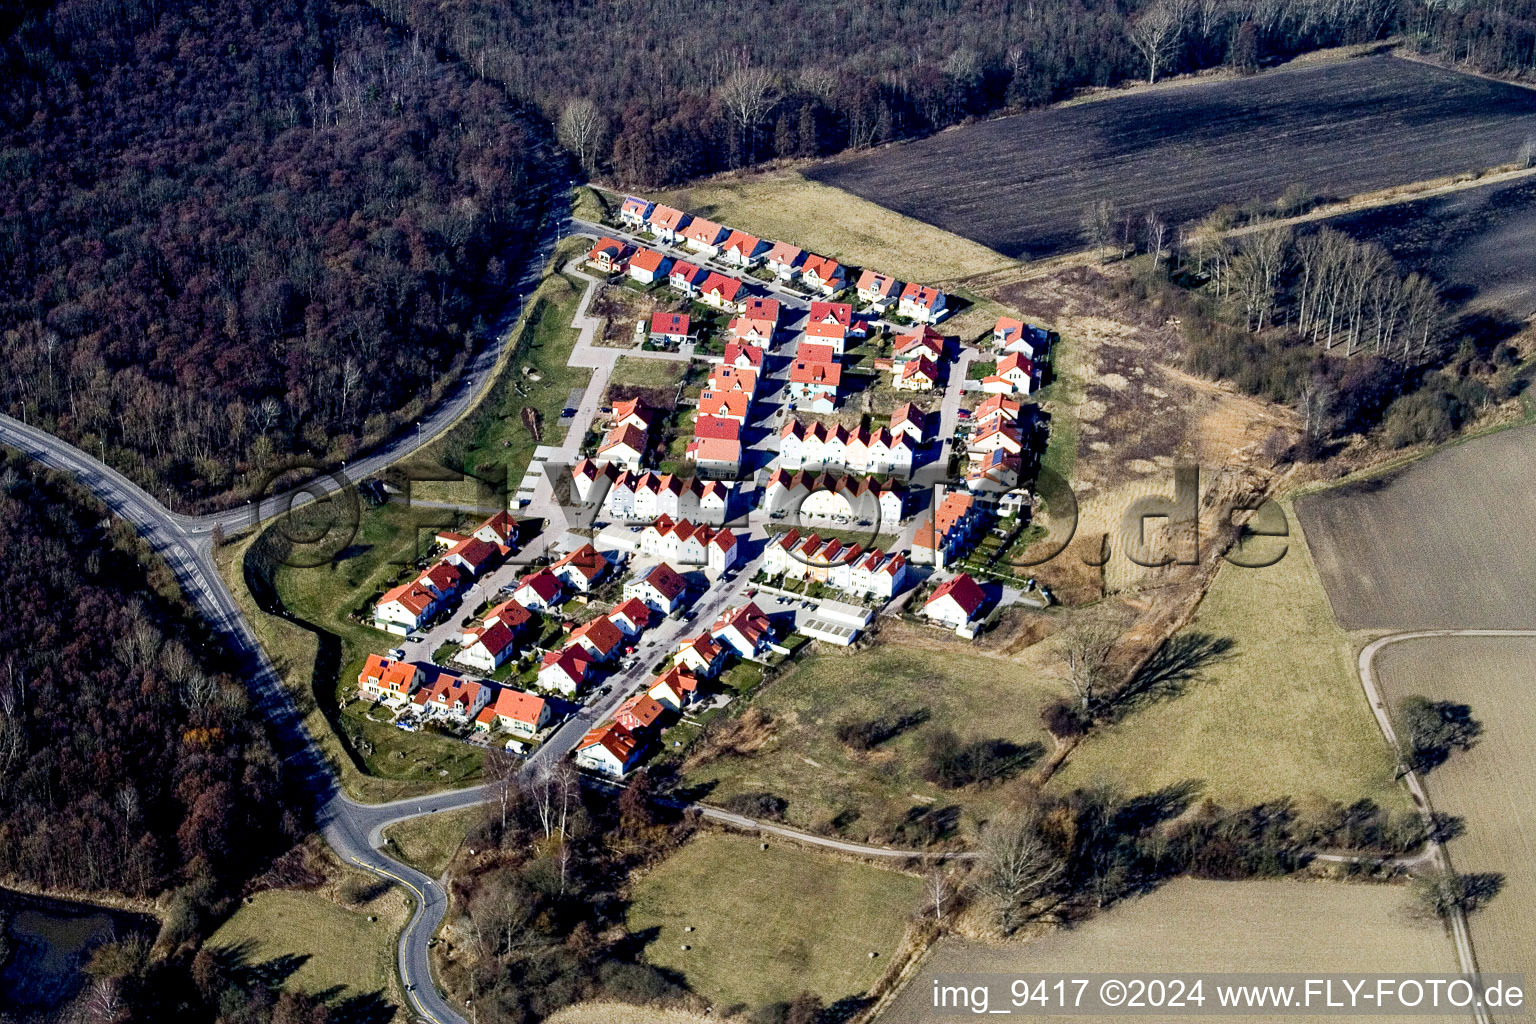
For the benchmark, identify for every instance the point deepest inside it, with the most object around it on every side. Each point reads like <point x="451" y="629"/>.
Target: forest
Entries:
<point x="244" y="231"/>
<point x="655" y="92"/>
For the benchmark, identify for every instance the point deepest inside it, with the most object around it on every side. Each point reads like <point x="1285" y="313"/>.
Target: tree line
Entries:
<point x="656" y="92"/>
<point x="246" y="231"/>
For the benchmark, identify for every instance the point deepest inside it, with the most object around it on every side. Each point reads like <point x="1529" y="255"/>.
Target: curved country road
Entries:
<point x="1436" y="851"/>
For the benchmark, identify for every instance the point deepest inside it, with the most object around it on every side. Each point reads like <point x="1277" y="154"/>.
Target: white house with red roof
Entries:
<point x="947" y="531"/>
<point x="453" y="697"/>
<point x="521" y="714"/>
<point x="745" y="630"/>
<point x="730" y="405"/>
<point x="384" y="679"/>
<point x="823" y="274"/>
<point x="412" y="604"/>
<point x="667" y="223"/>
<point x="1015" y="336"/>
<point x="817" y="446"/>
<point x="704" y="236"/>
<point x="539" y="591"/>
<point x="752" y="330"/>
<point x="640" y="713"/>
<point x="632" y="615"/>
<point x="716" y="445"/>
<point x="635" y="211"/>
<point x="472" y="555"/>
<point x="702" y="655"/>
<point x="921" y="303"/>
<point x="911" y="421"/>
<point x="610" y="255"/>
<point x="720" y="291"/>
<point x="995" y="472"/>
<point x="659" y="588"/>
<point x="785" y="260"/>
<point x="996" y="407"/>
<point x="686" y="278"/>
<point x="743" y="356"/>
<point x="487" y="648"/>
<point x="742" y="250"/>
<point x="682" y="542"/>
<point x="922" y="343"/>
<point x="809" y="493"/>
<point x="649" y="266"/>
<point x="609" y="749"/>
<point x="676" y="688"/>
<point x="955" y="602"/>
<point x="566" y="670"/>
<point x="814" y="382"/>
<point x="581" y="569"/>
<point x="920" y="374"/>
<point x="878" y="291"/>
<point x="671" y="329"/>
<point x="651" y="495"/>
<point x="1015" y="375"/>
<point x="624" y="445"/>
<point x="600" y="638"/>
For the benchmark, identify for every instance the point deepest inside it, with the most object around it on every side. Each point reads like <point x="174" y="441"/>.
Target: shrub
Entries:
<point x="951" y="764"/>
<point x="870" y="733"/>
<point x="758" y="805"/>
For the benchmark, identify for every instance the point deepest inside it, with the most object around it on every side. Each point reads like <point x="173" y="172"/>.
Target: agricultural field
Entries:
<point x="752" y="945"/>
<point x="1492" y="787"/>
<point x="1444" y="543"/>
<point x="1191" y="925"/>
<point x="326" y="947"/>
<point x="1273" y="716"/>
<point x="871" y="794"/>
<point x="1019" y="184"/>
<point x="1464" y="241"/>
<point x="788" y="207"/>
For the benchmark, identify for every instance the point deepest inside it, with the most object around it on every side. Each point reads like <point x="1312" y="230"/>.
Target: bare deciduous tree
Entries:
<point x="937" y="891"/>
<point x="1098" y="223"/>
<point x="748" y="95"/>
<point x="1087" y="649"/>
<point x="1156" y="33"/>
<point x="582" y="129"/>
<point x="1018" y="865"/>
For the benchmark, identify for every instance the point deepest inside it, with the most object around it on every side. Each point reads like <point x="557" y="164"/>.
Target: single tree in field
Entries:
<point x="1156" y="33"/>
<point x="582" y="129"/>
<point x="1087" y="649"/>
<point x="1157" y="237"/>
<point x="937" y="891"/>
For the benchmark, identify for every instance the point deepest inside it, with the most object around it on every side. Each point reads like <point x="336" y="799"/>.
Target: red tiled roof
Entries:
<point x="703" y="231"/>
<point x="544" y="583"/>
<point x="614" y="738"/>
<point x="601" y="634"/>
<point x="832" y="312"/>
<point x="635" y="610"/>
<point x="725" y="403"/>
<point x="921" y="294"/>
<point x="512" y="614"/>
<point x="878" y="284"/>
<point x="639" y="712"/>
<point x="667" y="217"/>
<point x="669" y="323"/>
<point x="685" y="271"/>
<point x="665" y="580"/>
<point x="761" y="309"/>
<point x="735" y="350"/>
<point x="647" y="259"/>
<point x="626" y="434"/>
<point x="966" y="592"/>
<point x="718" y="427"/>
<point x="518" y="706"/>
<point x="585" y="560"/>
<point x="741" y="242"/>
<point x="828" y="374"/>
<point x="784" y="253"/>
<point x="728" y="287"/>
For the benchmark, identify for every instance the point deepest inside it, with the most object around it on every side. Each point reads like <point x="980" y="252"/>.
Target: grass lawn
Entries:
<point x="638" y="372"/>
<point x="1282" y="715"/>
<point x="388" y="537"/>
<point x="769" y="924"/>
<point x="867" y="794"/>
<point x="428" y="843"/>
<point x="1061" y="398"/>
<point x="338" y="948"/>
<point x="493" y="440"/>
<point x="784" y="206"/>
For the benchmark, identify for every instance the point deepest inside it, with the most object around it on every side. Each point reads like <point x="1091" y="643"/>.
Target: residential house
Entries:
<point x="806" y="493"/>
<point x="501" y="530"/>
<point x="720" y="291"/>
<point x="784" y="260"/>
<point x="632" y="616"/>
<point x="624" y="446"/>
<point x="539" y="591"/>
<point x="920" y="374"/>
<point x="704" y="236"/>
<point x="947" y="531"/>
<point x="510" y="614"/>
<point x="819" y="446"/>
<point x="685" y="543"/>
<point x="850" y="568"/>
<point x="453" y="697"/>
<point x="635" y="211"/>
<point x="995" y="472"/>
<point x="609" y="749"/>
<point x="1012" y="336"/>
<point x="878" y="291"/>
<point x="832" y="323"/>
<point x="823" y="275"/>
<point x="1015" y="375"/>
<point x="729" y="377"/>
<point x="814" y="383"/>
<point x="487" y="648"/>
<point x="632" y="412"/>
<point x="911" y="421"/>
<point x="955" y="602"/>
<point x="923" y="343"/>
<point x="731" y="405"/>
<point x="676" y="688"/>
<point x="702" y="655"/>
<point x="750" y="330"/>
<point x="581" y="569"/>
<point x="670" y="329"/>
<point x="600" y="638"/>
<point x="649" y="266"/>
<point x="921" y="303"/>
<point x="743" y="356"/>
<point x="686" y="278"/>
<point x="998" y="408"/>
<point x="649" y="495"/>
<point x="742" y="250"/>
<point x="668" y="223"/>
<point x="761" y="309"/>
<point x="995" y="435"/>
<point x="411" y="605"/>
<point x="660" y="588"/>
<point x="521" y="714"/>
<point x="716" y="445"/>
<point x="472" y="556"/>
<point x="585" y="477"/>
<point x="609" y="255"/>
<point x="640" y="713"/>
<point x="387" y="680"/>
<point x="747" y="630"/>
<point x="565" y="671"/>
